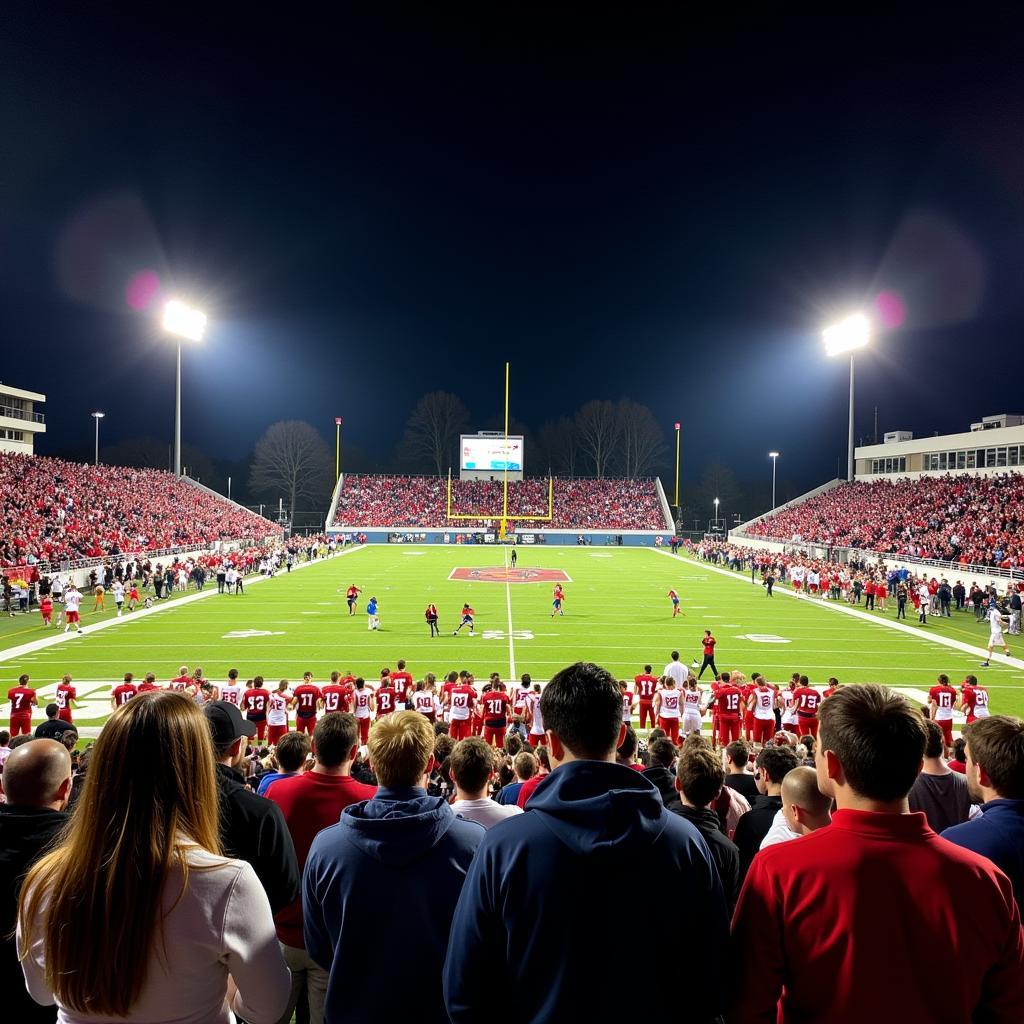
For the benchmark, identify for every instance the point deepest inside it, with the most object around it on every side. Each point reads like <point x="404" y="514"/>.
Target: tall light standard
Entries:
<point x="183" y="322"/>
<point x="678" y="427"/>
<point x="773" y="456"/>
<point x="716" y="513"/>
<point x="97" y="416"/>
<point x="847" y="336"/>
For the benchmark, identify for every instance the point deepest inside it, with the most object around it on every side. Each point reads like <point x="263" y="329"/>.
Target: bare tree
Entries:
<point x="557" y="447"/>
<point x="291" y="460"/>
<point x="597" y="431"/>
<point x="434" y="428"/>
<point x="642" y="442"/>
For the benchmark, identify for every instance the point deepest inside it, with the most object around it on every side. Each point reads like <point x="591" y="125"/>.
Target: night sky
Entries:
<point x="667" y="211"/>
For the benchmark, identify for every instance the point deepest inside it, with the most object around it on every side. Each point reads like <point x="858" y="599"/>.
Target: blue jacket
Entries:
<point x="548" y="927"/>
<point x="999" y="835"/>
<point x="378" y="892"/>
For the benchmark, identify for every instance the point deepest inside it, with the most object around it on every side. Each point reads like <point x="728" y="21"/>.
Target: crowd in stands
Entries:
<point x="973" y="520"/>
<point x="499" y="864"/>
<point x="421" y="501"/>
<point x="51" y="511"/>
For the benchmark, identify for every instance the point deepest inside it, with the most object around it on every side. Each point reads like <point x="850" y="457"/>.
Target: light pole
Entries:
<point x="337" y="448"/>
<point x="773" y="456"/>
<point x="183" y="322"/>
<point x="716" y="513"/>
<point x="678" y="426"/>
<point x="97" y="416"/>
<point x="847" y="336"/>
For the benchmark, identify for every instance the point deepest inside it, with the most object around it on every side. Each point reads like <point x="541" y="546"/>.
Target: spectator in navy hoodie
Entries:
<point x="380" y="887"/>
<point x="547" y="890"/>
<point x="995" y="775"/>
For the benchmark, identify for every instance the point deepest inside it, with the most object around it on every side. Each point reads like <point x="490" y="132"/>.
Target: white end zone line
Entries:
<point x="508" y="605"/>
<point x="945" y="641"/>
<point x="13" y="653"/>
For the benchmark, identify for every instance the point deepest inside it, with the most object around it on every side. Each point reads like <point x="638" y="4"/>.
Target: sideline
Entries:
<point x="936" y="638"/>
<point x="13" y="653"/>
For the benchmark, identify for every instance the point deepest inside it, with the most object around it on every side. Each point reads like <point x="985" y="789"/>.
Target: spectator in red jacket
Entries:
<point x="876" y="895"/>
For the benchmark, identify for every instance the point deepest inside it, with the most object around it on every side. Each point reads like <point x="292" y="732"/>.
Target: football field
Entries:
<point x="617" y="613"/>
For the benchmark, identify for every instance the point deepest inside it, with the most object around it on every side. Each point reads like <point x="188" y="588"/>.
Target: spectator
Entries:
<point x="773" y="764"/>
<point x="699" y="779"/>
<point x="472" y="768"/>
<point x="405" y="846"/>
<point x="525" y="766"/>
<point x="251" y="827"/>
<point x="958" y="763"/>
<point x="995" y="775"/>
<point x="311" y="802"/>
<point x="290" y="753"/>
<point x="941" y="794"/>
<point x="53" y="728"/>
<point x="876" y="895"/>
<point x="737" y="754"/>
<point x="37" y="784"/>
<point x="660" y="756"/>
<point x="529" y="929"/>
<point x="5" y="746"/>
<point x="144" y="842"/>
<point x="805" y="808"/>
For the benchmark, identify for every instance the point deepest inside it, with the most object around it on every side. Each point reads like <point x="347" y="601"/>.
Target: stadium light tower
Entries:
<point x="716" y="513"/>
<point x="183" y="322"/>
<point x="847" y="336"/>
<point x="774" y="457"/>
<point x="97" y="416"/>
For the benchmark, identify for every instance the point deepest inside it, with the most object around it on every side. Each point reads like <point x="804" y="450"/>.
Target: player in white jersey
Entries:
<point x="537" y="734"/>
<point x="788" y="703"/>
<point x="118" y="591"/>
<point x="72" y="603"/>
<point x="762" y="703"/>
<point x="277" y="712"/>
<point x="995" y="622"/>
<point x="362" y="706"/>
<point x="232" y="693"/>
<point x="426" y="703"/>
<point x="693" y="707"/>
<point x="796" y="577"/>
<point x="668" y="708"/>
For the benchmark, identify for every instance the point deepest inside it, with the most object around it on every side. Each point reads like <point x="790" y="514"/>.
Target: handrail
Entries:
<point x="20" y="414"/>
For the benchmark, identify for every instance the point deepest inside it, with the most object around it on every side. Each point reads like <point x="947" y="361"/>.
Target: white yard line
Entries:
<point x="935" y="638"/>
<point x="57" y="638"/>
<point x="508" y="605"/>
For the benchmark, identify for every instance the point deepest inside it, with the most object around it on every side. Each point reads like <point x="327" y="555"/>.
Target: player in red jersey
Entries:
<point x="461" y="701"/>
<point x="973" y="699"/>
<point x="807" y="700"/>
<point x="628" y="702"/>
<point x="148" y="685"/>
<point x="46" y="609"/>
<point x="941" y="702"/>
<point x="23" y="700"/>
<point x="401" y="680"/>
<point x="66" y="699"/>
<point x="646" y="686"/>
<point x="668" y="708"/>
<point x="558" y="598"/>
<point x="761" y="704"/>
<point x="674" y="598"/>
<point x="833" y="685"/>
<point x="306" y="699"/>
<point x="495" y="704"/>
<point x="708" y="644"/>
<point x="337" y="695"/>
<point x="123" y="693"/>
<point x="385" y="698"/>
<point x="468" y="616"/>
<point x="352" y="597"/>
<point x="182" y="682"/>
<point x="363" y="702"/>
<point x="728" y="701"/>
<point x="255" y="702"/>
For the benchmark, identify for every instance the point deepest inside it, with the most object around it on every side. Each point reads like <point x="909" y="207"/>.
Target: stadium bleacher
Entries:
<point x="421" y="501"/>
<point x="52" y="510"/>
<point x="969" y="519"/>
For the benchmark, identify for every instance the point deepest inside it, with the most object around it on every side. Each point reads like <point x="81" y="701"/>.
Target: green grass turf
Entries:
<point x="617" y="614"/>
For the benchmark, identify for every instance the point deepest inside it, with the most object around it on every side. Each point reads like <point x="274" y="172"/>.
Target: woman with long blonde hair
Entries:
<point x="136" y="914"/>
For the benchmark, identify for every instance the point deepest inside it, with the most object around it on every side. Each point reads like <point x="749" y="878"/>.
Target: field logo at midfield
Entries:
<point x="244" y="634"/>
<point x="501" y="574"/>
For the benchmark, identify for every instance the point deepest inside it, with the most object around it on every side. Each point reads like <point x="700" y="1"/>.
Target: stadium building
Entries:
<point x="19" y="419"/>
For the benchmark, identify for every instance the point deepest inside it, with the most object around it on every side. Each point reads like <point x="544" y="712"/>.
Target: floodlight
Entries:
<point x="850" y="334"/>
<point x="184" y="321"/>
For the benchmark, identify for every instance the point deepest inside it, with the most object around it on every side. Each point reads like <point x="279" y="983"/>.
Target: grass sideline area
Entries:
<point x="617" y="613"/>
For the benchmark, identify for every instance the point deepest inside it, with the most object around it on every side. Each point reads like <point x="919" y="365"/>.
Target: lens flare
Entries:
<point x="891" y="309"/>
<point x="141" y="290"/>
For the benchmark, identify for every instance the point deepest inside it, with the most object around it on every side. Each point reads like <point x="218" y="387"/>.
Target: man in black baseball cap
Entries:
<point x="251" y="828"/>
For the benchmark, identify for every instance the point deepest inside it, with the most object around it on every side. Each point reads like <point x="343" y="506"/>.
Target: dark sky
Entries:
<point x="665" y="210"/>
